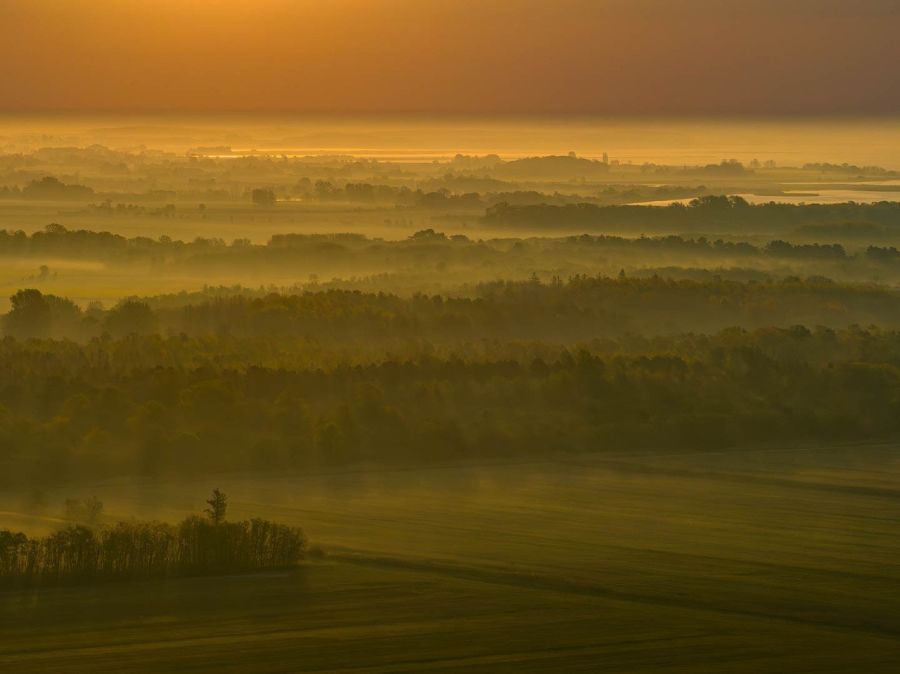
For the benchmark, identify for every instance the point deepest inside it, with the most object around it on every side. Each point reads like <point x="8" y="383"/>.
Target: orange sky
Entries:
<point x="452" y="56"/>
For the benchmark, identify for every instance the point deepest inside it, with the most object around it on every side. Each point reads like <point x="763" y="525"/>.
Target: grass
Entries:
<point x="751" y="562"/>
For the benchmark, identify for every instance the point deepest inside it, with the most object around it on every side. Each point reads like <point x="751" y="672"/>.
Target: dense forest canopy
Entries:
<point x="219" y="310"/>
<point x="270" y="399"/>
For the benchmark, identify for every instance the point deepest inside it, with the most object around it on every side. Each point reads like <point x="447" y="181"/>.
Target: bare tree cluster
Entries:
<point x="130" y="550"/>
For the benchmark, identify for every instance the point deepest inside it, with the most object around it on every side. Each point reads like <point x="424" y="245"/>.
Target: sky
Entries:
<point x="607" y="57"/>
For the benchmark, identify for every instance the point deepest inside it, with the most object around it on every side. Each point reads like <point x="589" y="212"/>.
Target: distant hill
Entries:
<point x="53" y="188"/>
<point x="553" y="166"/>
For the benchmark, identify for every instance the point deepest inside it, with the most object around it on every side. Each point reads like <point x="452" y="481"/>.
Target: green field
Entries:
<point x="759" y="561"/>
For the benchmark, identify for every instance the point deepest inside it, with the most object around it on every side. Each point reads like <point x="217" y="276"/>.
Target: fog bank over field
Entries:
<point x="675" y="140"/>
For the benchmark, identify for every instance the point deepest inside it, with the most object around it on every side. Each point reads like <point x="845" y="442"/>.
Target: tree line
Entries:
<point x="200" y="405"/>
<point x="578" y="308"/>
<point x="430" y="258"/>
<point x="58" y="240"/>
<point x="724" y="213"/>
<point x="137" y="550"/>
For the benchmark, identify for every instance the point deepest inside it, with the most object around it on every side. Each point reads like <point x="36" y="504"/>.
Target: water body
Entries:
<point x="825" y="196"/>
<point x="788" y="142"/>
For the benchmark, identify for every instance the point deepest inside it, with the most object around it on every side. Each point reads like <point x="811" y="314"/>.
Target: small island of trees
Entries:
<point x="135" y="550"/>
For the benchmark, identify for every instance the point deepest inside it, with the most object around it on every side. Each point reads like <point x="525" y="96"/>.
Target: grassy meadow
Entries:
<point x="763" y="560"/>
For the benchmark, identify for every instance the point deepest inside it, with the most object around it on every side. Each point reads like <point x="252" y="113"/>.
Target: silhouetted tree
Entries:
<point x="218" y="503"/>
<point x="52" y="188"/>
<point x="30" y="315"/>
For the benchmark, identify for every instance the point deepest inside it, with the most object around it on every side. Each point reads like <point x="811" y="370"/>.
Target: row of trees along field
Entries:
<point x="577" y="309"/>
<point x="132" y="550"/>
<point x="870" y="220"/>
<point x="199" y="405"/>
<point x="723" y="213"/>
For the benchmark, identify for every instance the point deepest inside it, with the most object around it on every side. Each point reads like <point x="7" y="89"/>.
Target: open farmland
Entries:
<point x="737" y="561"/>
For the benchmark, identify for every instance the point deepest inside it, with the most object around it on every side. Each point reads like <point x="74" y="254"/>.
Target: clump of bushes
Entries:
<point x="133" y="550"/>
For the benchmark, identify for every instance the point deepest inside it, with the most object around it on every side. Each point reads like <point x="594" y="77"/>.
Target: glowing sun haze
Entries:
<point x="465" y="56"/>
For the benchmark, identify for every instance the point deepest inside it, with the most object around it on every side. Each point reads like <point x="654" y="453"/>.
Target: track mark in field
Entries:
<point x="743" y="478"/>
<point x="513" y="657"/>
<point x="534" y="581"/>
<point x="539" y="653"/>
